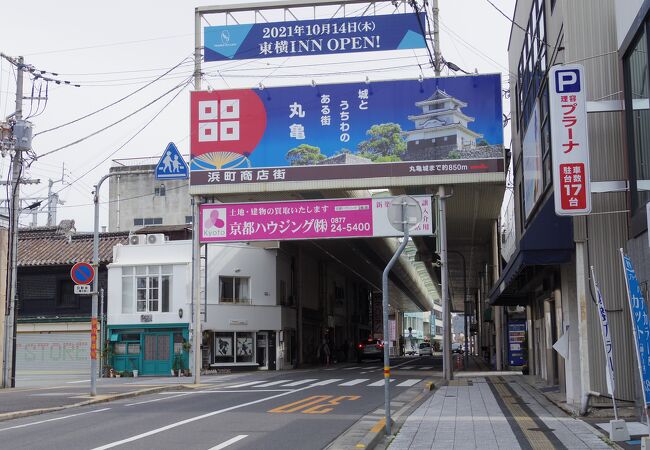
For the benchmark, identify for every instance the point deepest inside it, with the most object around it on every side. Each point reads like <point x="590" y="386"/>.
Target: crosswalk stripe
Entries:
<point x="298" y="383"/>
<point x="330" y="381"/>
<point x="250" y="383"/>
<point x="272" y="383"/>
<point x="379" y="383"/>
<point x="406" y="367"/>
<point x="409" y="382"/>
<point x="350" y="368"/>
<point x="426" y="368"/>
<point x="354" y="382"/>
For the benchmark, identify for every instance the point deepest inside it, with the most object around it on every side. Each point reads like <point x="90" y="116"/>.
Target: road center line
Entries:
<point x="194" y="419"/>
<point x="229" y="441"/>
<point x="52" y="420"/>
<point x="80" y="381"/>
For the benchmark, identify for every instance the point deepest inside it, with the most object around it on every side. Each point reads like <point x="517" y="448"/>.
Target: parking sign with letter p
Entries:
<point x="567" y="81"/>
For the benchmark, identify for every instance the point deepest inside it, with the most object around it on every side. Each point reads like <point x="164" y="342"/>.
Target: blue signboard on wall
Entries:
<point x="517" y="342"/>
<point x="639" y="314"/>
<point x="315" y="37"/>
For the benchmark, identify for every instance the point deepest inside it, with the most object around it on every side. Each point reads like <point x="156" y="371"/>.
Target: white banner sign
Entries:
<point x="569" y="140"/>
<point x="607" y="338"/>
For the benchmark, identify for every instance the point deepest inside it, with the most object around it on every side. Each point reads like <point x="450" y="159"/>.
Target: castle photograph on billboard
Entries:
<point x="377" y="130"/>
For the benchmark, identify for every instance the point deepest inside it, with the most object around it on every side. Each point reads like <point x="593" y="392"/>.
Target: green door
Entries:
<point x="157" y="354"/>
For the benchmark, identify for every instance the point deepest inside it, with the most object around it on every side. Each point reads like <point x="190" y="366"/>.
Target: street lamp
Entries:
<point x="93" y="343"/>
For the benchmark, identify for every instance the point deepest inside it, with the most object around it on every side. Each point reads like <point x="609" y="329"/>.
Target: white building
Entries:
<point x="149" y="307"/>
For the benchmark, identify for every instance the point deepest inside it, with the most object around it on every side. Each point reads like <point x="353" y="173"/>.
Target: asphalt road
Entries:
<point x="304" y="409"/>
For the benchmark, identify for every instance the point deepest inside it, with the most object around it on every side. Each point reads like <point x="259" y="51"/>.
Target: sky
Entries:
<point x="112" y="49"/>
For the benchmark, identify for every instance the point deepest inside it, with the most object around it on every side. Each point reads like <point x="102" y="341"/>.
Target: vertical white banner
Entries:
<point x="607" y="338"/>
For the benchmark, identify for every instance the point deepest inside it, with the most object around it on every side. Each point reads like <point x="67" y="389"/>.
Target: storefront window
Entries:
<point x="223" y="349"/>
<point x="244" y="347"/>
<point x="234" y="347"/>
<point x="638" y="117"/>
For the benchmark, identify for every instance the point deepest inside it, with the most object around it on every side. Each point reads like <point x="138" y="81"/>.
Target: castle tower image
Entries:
<point x="441" y="129"/>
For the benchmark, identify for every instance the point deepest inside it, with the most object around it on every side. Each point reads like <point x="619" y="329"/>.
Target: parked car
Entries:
<point x="370" y="348"/>
<point x="425" y="349"/>
<point x="457" y="347"/>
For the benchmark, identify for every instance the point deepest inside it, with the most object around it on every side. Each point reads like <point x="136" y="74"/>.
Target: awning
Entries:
<point x="547" y="241"/>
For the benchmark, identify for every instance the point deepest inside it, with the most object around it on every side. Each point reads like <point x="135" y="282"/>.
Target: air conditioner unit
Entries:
<point x="137" y="239"/>
<point x="155" y="238"/>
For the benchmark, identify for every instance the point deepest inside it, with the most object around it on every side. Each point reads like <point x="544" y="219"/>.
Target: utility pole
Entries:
<point x="53" y="199"/>
<point x="437" y="56"/>
<point x="22" y="139"/>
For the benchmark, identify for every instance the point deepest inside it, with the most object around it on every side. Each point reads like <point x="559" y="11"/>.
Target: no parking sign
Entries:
<point x="82" y="273"/>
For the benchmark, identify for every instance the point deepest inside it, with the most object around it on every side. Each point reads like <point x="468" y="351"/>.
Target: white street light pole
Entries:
<point x="93" y="319"/>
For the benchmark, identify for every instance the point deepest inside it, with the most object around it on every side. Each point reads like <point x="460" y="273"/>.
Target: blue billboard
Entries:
<point x="314" y="37"/>
<point x="370" y="127"/>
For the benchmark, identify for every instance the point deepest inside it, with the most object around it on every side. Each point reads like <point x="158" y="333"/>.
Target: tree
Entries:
<point x="385" y="141"/>
<point x="304" y="155"/>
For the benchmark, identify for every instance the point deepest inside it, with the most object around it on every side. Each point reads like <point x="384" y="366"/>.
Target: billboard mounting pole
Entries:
<point x="196" y="245"/>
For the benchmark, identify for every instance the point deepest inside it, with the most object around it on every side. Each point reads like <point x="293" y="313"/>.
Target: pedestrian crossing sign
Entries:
<point x="172" y="166"/>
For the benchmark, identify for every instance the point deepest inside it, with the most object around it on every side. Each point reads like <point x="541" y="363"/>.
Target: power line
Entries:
<point x="114" y="44"/>
<point x="519" y="26"/>
<point x="182" y="87"/>
<point x="116" y="122"/>
<point x="113" y="103"/>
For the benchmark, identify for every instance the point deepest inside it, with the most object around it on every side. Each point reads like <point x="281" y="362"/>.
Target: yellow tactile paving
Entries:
<point x="537" y="439"/>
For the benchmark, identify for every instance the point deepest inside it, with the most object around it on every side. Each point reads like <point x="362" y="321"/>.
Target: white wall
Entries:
<point x="175" y="253"/>
<point x="626" y="12"/>
<point x="240" y="260"/>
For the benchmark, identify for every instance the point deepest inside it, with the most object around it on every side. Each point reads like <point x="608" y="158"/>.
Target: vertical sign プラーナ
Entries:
<point x="641" y="327"/>
<point x="569" y="140"/>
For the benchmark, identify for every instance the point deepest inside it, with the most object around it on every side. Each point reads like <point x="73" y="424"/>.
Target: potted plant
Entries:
<point x="177" y="364"/>
<point x="107" y="359"/>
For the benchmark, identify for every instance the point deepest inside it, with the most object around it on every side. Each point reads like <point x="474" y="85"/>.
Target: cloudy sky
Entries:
<point x="112" y="49"/>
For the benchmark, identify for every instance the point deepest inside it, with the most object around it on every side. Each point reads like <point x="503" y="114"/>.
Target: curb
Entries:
<point x="377" y="432"/>
<point x="102" y="399"/>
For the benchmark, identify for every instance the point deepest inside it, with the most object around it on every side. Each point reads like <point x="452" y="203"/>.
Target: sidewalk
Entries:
<point x="480" y="410"/>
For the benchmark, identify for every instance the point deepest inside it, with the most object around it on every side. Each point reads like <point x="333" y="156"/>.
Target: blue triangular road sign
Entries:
<point x="172" y="166"/>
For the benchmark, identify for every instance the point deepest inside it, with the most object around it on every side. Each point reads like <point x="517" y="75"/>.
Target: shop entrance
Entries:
<point x="262" y="350"/>
<point x="157" y="359"/>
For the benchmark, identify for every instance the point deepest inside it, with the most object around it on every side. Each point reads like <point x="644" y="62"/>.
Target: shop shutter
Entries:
<point x="52" y="353"/>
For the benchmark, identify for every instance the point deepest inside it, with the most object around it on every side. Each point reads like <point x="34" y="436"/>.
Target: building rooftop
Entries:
<point x="62" y="245"/>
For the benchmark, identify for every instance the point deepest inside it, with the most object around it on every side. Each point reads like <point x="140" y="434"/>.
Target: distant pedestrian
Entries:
<point x="401" y="345"/>
<point x="325" y="352"/>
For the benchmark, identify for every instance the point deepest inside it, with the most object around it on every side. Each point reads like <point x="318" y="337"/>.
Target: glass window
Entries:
<point x="223" y="347"/>
<point x="119" y="348"/>
<point x="138" y="222"/>
<point x="127" y="293"/>
<point x="234" y="290"/>
<point x="244" y="347"/>
<point x="638" y="117"/>
<point x="151" y="290"/>
<point x="141" y="294"/>
<point x="165" y="291"/>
